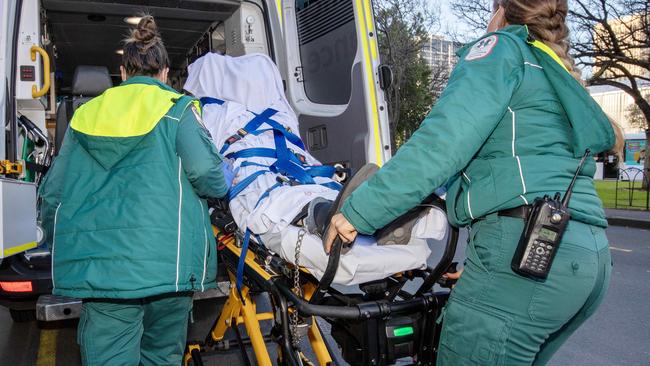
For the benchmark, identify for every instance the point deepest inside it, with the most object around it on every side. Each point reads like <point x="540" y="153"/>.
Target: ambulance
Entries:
<point x="57" y="54"/>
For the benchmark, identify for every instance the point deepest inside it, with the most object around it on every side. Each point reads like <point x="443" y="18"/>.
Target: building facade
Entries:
<point x="617" y="104"/>
<point x="630" y="34"/>
<point x="440" y="53"/>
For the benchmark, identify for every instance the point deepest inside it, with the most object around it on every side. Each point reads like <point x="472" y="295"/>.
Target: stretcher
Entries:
<point x="264" y="249"/>
<point x="379" y="324"/>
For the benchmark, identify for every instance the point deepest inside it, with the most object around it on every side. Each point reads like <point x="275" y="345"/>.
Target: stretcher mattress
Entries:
<point x="365" y="261"/>
<point x="248" y="85"/>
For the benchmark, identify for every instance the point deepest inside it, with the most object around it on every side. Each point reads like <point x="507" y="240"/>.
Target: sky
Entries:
<point x="449" y="22"/>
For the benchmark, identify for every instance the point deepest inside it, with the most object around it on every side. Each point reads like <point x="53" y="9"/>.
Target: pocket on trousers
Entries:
<point x="568" y="286"/>
<point x="484" y="249"/>
<point x="475" y="335"/>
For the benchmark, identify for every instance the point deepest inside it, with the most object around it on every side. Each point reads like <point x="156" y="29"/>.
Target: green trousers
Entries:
<point x="496" y="317"/>
<point x="150" y="331"/>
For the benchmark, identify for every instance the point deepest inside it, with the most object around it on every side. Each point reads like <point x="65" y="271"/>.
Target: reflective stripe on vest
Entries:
<point x="549" y="51"/>
<point x="124" y="111"/>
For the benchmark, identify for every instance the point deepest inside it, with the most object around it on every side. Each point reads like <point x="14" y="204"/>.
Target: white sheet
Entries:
<point x="250" y="84"/>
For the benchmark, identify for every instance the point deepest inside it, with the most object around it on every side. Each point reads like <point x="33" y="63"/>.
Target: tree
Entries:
<point x="635" y="117"/>
<point x="403" y="27"/>
<point x="610" y="42"/>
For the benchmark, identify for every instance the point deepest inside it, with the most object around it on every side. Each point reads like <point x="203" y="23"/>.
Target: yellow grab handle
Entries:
<point x="36" y="93"/>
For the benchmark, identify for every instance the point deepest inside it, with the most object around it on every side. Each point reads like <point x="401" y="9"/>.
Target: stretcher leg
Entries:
<point x="193" y="353"/>
<point x="255" y="333"/>
<point x="318" y="344"/>
<point x="231" y="310"/>
<point x="238" y="310"/>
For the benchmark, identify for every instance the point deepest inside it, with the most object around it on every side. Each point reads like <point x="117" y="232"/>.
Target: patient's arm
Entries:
<point x="200" y="159"/>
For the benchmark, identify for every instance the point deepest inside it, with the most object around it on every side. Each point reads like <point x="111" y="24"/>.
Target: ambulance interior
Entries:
<point x="85" y="39"/>
<point x="79" y="44"/>
<point x="326" y="52"/>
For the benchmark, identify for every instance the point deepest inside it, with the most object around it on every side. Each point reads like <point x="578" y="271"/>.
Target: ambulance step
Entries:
<point x="52" y="308"/>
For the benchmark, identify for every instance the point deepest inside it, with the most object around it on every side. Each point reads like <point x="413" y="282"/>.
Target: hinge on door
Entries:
<point x="298" y="74"/>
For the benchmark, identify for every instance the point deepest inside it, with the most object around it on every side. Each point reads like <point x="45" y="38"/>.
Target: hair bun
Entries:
<point x="146" y="31"/>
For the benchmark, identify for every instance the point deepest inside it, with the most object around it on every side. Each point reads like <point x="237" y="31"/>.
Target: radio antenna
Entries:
<point x="567" y="195"/>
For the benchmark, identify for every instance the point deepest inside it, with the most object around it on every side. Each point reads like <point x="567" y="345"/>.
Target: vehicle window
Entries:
<point x="328" y="44"/>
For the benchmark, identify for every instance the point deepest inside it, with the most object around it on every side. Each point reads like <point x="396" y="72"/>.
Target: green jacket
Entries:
<point x="511" y="126"/>
<point x="123" y="203"/>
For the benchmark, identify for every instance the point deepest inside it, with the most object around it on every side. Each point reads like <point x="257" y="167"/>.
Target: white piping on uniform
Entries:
<point x="174" y="118"/>
<point x="521" y="175"/>
<point x="514" y="155"/>
<point x="56" y="216"/>
<point x="469" y="206"/>
<point x="513" y="130"/>
<point x="205" y="249"/>
<point x="533" y="65"/>
<point x="180" y="205"/>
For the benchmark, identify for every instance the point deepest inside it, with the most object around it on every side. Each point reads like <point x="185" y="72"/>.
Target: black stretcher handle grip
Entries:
<point x="445" y="262"/>
<point x="330" y="271"/>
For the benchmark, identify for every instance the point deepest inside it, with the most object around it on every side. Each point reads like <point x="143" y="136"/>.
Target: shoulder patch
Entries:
<point x="482" y="48"/>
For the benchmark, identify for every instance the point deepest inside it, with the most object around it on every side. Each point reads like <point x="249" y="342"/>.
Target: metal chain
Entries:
<point x="295" y="335"/>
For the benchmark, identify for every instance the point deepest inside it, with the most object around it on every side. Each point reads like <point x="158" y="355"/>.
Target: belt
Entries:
<point x="520" y="212"/>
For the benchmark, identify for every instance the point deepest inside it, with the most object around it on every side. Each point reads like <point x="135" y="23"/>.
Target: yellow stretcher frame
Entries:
<point x="245" y="312"/>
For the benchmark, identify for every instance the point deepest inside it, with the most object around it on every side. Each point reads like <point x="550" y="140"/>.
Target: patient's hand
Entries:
<point x="339" y="226"/>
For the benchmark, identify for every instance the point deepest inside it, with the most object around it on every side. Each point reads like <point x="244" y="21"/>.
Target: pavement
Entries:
<point x="630" y="218"/>
<point x="617" y="335"/>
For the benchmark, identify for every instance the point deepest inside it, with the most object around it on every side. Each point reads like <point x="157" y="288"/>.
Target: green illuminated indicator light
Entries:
<point x="403" y="331"/>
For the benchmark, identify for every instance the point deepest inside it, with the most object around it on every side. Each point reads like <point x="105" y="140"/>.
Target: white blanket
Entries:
<point x="249" y="85"/>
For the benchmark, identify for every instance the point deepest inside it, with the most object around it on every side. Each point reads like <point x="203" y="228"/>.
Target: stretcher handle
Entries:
<point x="330" y="271"/>
<point x="442" y="266"/>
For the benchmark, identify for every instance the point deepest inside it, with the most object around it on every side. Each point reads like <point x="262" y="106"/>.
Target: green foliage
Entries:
<point x="417" y="98"/>
<point x="606" y="190"/>
<point x="402" y="27"/>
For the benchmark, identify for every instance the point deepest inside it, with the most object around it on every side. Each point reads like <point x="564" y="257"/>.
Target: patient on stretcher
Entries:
<point x="250" y="121"/>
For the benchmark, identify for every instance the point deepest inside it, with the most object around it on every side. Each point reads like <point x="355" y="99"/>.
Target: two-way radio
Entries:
<point x="543" y="232"/>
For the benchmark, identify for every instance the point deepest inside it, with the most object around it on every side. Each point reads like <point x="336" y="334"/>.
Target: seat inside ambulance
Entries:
<point x="87" y="83"/>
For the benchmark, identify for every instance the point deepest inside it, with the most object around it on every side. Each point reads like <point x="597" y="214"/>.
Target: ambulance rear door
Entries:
<point x="332" y="79"/>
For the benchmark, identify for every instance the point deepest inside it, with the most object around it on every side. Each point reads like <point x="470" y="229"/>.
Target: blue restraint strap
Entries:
<point x="256" y="152"/>
<point x="208" y="100"/>
<point x="234" y="191"/>
<point x="287" y="164"/>
<point x="240" y="264"/>
<point x="253" y="126"/>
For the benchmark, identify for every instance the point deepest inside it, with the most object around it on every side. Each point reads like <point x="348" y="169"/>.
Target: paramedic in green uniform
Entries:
<point x="124" y="206"/>
<point x="511" y="126"/>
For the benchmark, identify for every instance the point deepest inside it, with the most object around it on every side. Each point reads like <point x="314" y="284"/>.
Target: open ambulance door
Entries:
<point x="332" y="80"/>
